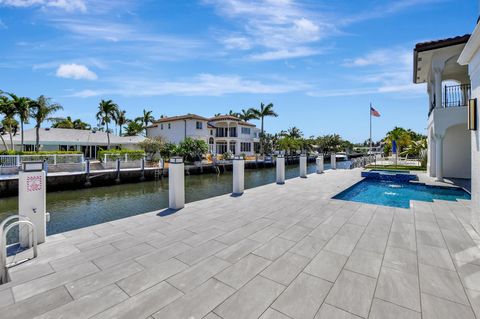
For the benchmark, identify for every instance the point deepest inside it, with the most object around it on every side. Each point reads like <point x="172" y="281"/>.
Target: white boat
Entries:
<point x="341" y="156"/>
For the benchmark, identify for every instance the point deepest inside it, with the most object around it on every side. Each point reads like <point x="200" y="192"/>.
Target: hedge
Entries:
<point x="114" y="154"/>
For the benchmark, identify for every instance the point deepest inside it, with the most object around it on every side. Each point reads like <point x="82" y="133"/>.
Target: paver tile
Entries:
<point x="286" y="268"/>
<point x="385" y="310"/>
<point x="274" y="248"/>
<point x="352" y="292"/>
<point x="326" y="265"/>
<point x="399" y="287"/>
<point x="437" y="308"/>
<point x="251" y="300"/>
<point x="442" y="283"/>
<point x="243" y="271"/>
<point x="330" y="312"/>
<point x="303" y="298"/>
<point x="364" y="262"/>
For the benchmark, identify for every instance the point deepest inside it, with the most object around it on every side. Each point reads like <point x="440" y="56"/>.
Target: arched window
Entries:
<point x="210" y="140"/>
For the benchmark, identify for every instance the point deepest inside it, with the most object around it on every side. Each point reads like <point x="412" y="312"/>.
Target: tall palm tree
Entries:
<point x="61" y="122"/>
<point x="8" y="113"/>
<point x="106" y="113"/>
<point x="400" y="136"/>
<point x="146" y="118"/>
<point x="261" y="113"/>
<point x="41" y="110"/>
<point x="22" y="107"/>
<point x="247" y="115"/>
<point x="121" y="120"/>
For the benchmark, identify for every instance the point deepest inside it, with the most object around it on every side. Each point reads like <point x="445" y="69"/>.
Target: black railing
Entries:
<point x="456" y="95"/>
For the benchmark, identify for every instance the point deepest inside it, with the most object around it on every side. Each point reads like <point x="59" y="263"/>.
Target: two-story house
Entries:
<point x="448" y="88"/>
<point x="224" y="133"/>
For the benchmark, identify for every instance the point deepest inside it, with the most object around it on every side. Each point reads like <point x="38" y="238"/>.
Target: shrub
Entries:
<point x="114" y="154"/>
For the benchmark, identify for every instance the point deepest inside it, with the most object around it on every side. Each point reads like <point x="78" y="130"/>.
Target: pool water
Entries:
<point x="394" y="194"/>
<point x="389" y="172"/>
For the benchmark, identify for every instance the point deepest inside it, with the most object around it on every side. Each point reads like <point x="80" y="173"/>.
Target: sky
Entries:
<point x="320" y="62"/>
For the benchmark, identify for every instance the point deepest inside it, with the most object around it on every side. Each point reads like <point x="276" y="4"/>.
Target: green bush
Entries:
<point x="133" y="155"/>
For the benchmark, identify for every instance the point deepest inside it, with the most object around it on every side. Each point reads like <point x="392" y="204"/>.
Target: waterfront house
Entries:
<point x="224" y="133"/>
<point x="89" y="142"/>
<point x="448" y="88"/>
<point x="453" y="133"/>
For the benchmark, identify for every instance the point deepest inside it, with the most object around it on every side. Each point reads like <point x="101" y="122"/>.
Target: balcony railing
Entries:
<point x="453" y="96"/>
<point x="456" y="95"/>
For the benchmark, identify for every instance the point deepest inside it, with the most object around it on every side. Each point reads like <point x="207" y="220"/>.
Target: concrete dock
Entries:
<point x="277" y="251"/>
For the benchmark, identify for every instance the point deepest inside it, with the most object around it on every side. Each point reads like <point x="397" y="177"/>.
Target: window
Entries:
<point x="169" y="126"/>
<point x="255" y="134"/>
<point x="246" y="130"/>
<point x="245" y="147"/>
<point x="233" y="147"/>
<point x="211" y="132"/>
<point x="232" y="132"/>
<point x="161" y="126"/>
<point x="199" y="125"/>
<point x="210" y="141"/>
<point x="256" y="147"/>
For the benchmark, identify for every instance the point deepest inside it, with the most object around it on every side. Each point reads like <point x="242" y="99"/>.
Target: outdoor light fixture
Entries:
<point x="33" y="166"/>
<point x="472" y="114"/>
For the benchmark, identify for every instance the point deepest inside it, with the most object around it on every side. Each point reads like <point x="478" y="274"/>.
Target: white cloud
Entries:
<point x="75" y="71"/>
<point x="380" y="71"/>
<point x="201" y="85"/>
<point x="275" y="29"/>
<point x="67" y="5"/>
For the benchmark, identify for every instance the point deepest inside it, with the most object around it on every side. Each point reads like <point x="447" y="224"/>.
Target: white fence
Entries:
<point x="51" y="159"/>
<point x="123" y="158"/>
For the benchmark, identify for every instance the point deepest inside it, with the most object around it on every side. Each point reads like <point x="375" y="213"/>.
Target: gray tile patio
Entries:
<point x="288" y="252"/>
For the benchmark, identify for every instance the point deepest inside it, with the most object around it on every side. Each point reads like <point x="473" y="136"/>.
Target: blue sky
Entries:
<point x="319" y="62"/>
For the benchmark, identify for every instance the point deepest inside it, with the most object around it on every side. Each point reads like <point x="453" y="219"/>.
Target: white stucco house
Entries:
<point x="454" y="147"/>
<point x="448" y="87"/>
<point x="224" y="133"/>
<point x="61" y="139"/>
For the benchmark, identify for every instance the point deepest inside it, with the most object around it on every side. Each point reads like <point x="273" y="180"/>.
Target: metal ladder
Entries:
<point x="4" y="229"/>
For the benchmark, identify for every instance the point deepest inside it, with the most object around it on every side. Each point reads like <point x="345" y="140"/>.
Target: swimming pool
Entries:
<point x="398" y="194"/>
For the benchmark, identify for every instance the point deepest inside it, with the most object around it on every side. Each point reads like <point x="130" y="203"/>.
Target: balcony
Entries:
<point x="454" y="96"/>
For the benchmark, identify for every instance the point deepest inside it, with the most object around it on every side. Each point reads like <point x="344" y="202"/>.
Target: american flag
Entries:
<point x="374" y="112"/>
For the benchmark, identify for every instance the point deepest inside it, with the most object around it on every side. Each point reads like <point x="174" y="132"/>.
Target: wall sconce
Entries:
<point x="472" y="114"/>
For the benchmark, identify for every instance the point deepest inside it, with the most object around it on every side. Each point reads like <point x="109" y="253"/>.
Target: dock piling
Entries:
<point x="319" y="162"/>
<point x="333" y="161"/>
<point x="176" y="183"/>
<point x="238" y="175"/>
<point x="303" y="165"/>
<point x="280" y="169"/>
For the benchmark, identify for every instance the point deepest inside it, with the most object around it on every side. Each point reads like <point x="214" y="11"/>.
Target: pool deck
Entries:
<point x="278" y="251"/>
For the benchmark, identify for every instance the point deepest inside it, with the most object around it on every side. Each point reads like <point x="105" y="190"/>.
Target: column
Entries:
<point x="303" y="166"/>
<point x="437" y="75"/>
<point x="319" y="162"/>
<point x="439" y="157"/>
<point x="176" y="183"/>
<point x="280" y="169"/>
<point x="431" y="155"/>
<point x="238" y="175"/>
<point x="333" y="161"/>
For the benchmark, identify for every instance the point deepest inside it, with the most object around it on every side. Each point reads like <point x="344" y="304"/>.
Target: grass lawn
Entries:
<point x="396" y="167"/>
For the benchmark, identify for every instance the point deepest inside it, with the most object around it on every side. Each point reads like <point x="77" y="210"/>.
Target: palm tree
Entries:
<point x="78" y="124"/>
<point x="21" y="106"/>
<point x="134" y="128"/>
<point x="261" y="113"/>
<point x="146" y="118"/>
<point x="232" y="113"/>
<point x="294" y="132"/>
<point x="247" y="115"/>
<point x="121" y="120"/>
<point x="106" y="113"/>
<point x="8" y="112"/>
<point x="61" y="122"/>
<point x="400" y="136"/>
<point x="41" y="110"/>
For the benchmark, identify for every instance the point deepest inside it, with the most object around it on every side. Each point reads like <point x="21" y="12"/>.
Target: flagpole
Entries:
<point x="370" y="112"/>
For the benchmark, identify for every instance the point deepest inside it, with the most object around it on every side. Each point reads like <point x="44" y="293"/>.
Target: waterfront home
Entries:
<point x="453" y="134"/>
<point x="61" y="139"/>
<point x="224" y="133"/>
<point x="448" y="88"/>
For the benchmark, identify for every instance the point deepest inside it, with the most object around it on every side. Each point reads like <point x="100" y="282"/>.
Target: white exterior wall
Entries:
<point x="471" y="56"/>
<point x="456" y="152"/>
<point x="176" y="133"/>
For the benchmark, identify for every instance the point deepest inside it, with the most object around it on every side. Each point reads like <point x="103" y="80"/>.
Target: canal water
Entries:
<point x="85" y="207"/>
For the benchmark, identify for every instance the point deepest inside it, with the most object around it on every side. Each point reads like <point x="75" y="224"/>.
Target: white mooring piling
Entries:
<point x="303" y="165"/>
<point x="32" y="185"/>
<point x="238" y="175"/>
<point x="333" y="161"/>
<point x="280" y="169"/>
<point x="319" y="162"/>
<point x="176" y="183"/>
